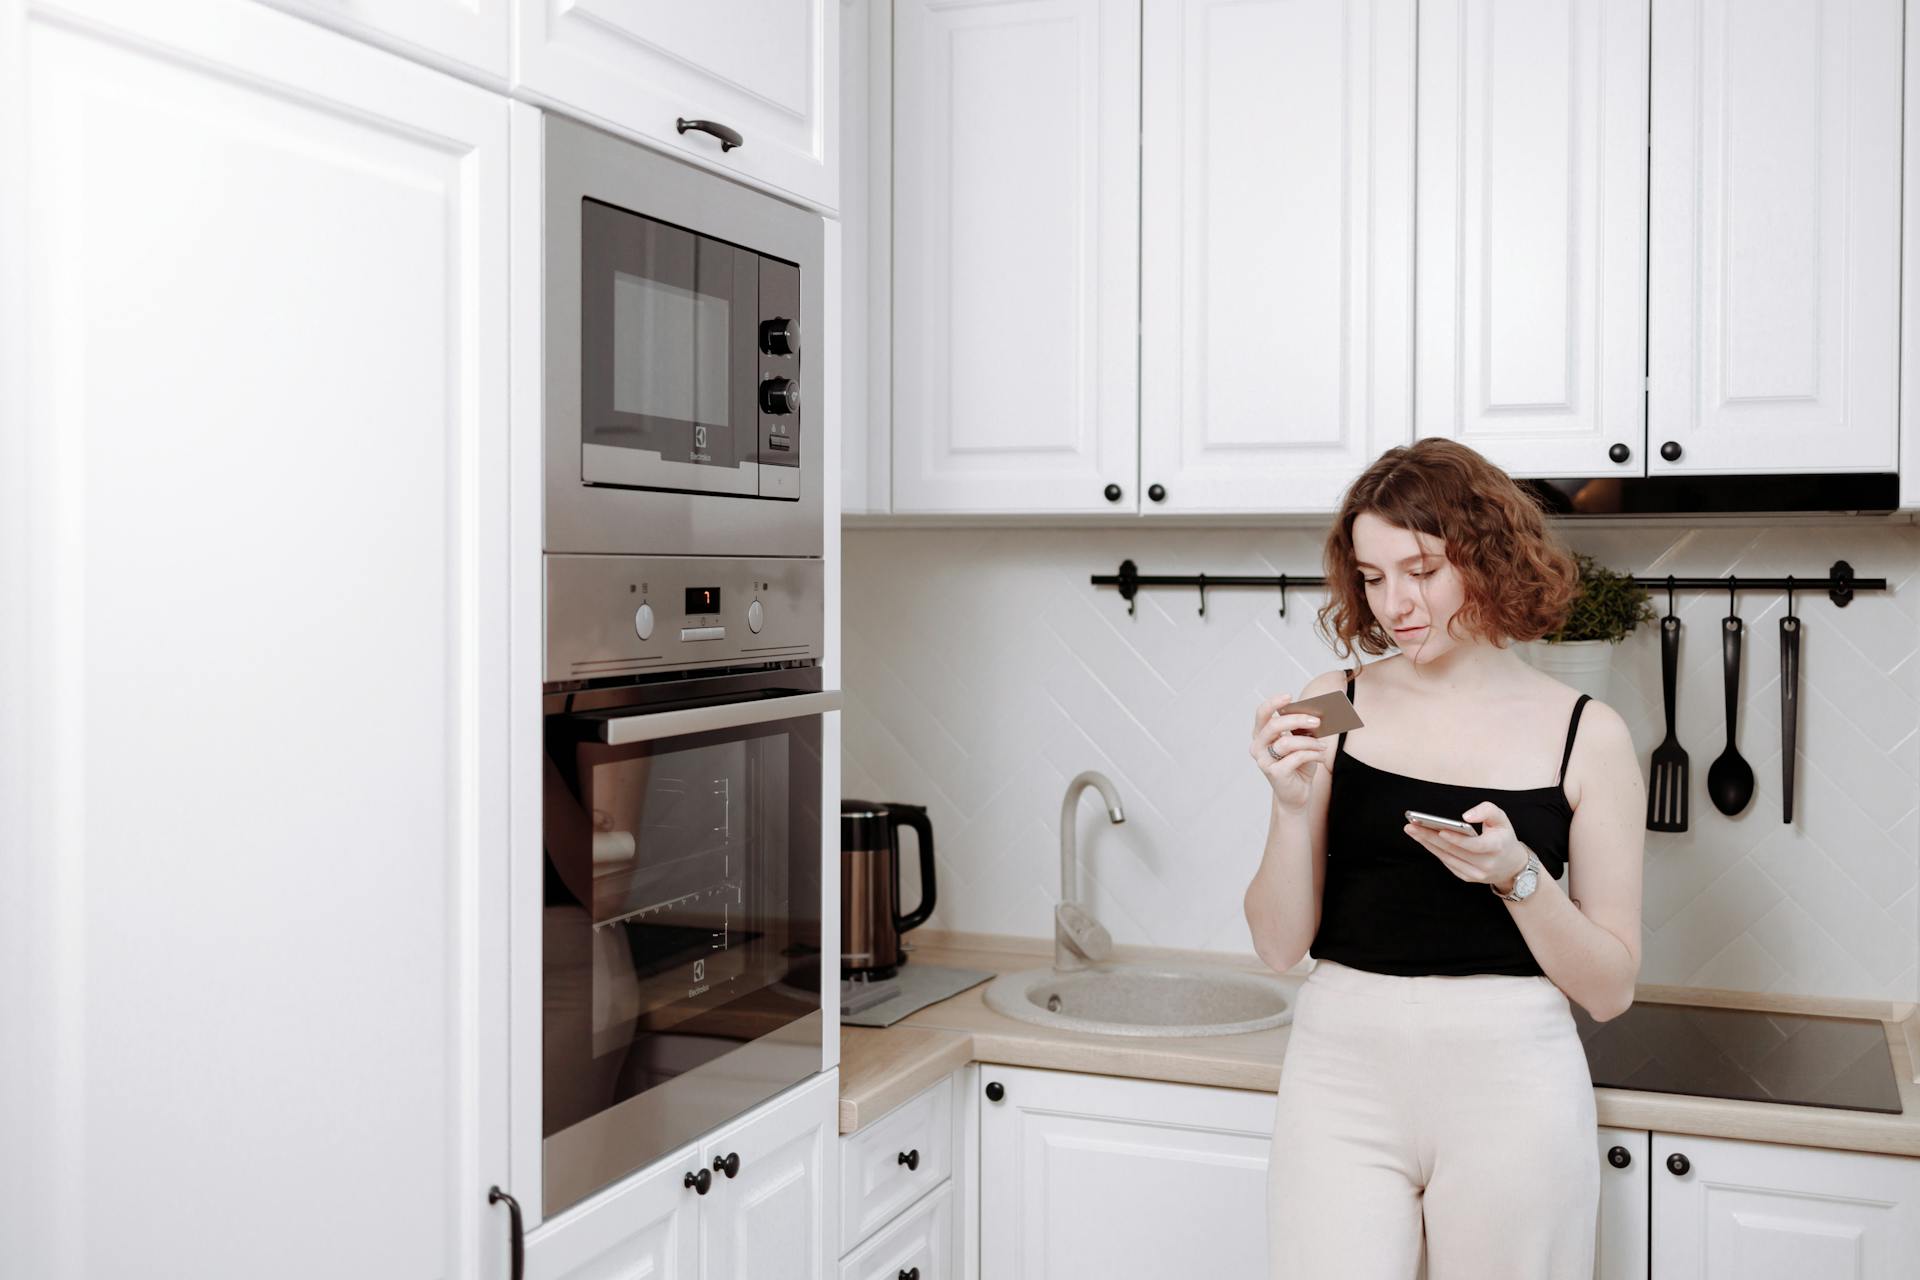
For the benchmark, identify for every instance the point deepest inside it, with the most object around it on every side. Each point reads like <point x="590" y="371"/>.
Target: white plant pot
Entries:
<point x="1583" y="664"/>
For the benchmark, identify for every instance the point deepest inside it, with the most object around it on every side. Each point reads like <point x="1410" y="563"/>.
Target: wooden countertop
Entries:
<point x="881" y="1068"/>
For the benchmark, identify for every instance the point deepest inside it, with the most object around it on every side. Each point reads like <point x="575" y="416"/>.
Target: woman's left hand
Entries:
<point x="1494" y="857"/>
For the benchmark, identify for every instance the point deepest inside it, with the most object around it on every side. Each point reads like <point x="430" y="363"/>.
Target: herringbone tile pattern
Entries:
<point x="983" y="671"/>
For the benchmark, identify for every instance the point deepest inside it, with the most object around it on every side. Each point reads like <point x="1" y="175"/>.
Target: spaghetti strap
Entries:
<point x="1573" y="727"/>
<point x="1340" y="747"/>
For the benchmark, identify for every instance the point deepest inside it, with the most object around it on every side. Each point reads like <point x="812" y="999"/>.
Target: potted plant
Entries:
<point x="1606" y="607"/>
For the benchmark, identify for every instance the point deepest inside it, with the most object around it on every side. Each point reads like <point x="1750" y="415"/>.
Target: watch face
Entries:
<point x="1524" y="883"/>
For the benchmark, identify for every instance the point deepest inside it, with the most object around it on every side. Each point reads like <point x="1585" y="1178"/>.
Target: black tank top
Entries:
<point x="1389" y="906"/>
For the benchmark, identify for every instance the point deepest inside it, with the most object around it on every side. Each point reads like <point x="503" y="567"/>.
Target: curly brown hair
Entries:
<point x="1519" y="578"/>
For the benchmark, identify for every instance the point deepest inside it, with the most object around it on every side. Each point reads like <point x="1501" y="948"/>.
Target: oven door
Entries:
<point x="682" y="917"/>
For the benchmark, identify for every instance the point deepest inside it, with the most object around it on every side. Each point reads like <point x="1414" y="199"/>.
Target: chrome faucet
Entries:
<point x="1078" y="939"/>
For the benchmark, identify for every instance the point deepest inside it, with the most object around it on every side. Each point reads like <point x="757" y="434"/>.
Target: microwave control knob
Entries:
<point x="780" y="336"/>
<point x="643" y="622"/>
<point x="780" y="395"/>
<point x="756" y="617"/>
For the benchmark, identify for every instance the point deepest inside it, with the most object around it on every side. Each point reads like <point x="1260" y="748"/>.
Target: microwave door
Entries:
<point x="668" y="366"/>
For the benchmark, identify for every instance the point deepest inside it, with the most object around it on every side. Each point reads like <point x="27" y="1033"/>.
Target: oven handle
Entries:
<point x="673" y="724"/>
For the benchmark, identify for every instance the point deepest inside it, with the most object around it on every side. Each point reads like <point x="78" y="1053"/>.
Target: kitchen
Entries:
<point x="1106" y="291"/>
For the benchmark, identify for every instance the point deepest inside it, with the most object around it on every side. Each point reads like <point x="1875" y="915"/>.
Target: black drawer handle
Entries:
<point x="728" y="1164"/>
<point x="514" y="1224"/>
<point x="1619" y="1157"/>
<point x="911" y="1159"/>
<point x="729" y="138"/>
<point x="700" y="1180"/>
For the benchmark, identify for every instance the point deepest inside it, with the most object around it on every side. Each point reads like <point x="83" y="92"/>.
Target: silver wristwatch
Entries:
<point x="1525" y="883"/>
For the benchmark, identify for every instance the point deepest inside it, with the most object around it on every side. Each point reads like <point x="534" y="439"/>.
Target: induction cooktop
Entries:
<point x="1745" y="1054"/>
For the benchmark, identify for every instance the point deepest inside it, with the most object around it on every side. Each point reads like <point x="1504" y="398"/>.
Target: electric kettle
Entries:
<point x="870" y="919"/>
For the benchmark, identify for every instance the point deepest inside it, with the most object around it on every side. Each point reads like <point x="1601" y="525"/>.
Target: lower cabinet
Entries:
<point x="767" y="1219"/>
<point x="1100" y="1176"/>
<point x="907" y="1188"/>
<point x="1620" y="1251"/>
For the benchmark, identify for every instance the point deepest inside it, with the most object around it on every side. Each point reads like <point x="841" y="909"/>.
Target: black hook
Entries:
<point x="1283" y="595"/>
<point x="1203" y="595"/>
<point x="1669" y="595"/>
<point x="1733" y="584"/>
<point x="1789" y="595"/>
<point x="1129" y="583"/>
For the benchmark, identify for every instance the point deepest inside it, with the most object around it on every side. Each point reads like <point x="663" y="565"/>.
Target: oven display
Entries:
<point x="702" y="600"/>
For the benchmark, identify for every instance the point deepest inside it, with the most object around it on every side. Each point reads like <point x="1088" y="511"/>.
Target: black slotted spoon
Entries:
<point x="1667" y="782"/>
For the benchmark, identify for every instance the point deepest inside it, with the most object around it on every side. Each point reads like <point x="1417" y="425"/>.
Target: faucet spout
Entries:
<point x="1078" y="938"/>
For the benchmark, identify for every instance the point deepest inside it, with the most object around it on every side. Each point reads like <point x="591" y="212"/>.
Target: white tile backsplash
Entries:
<point x="983" y="670"/>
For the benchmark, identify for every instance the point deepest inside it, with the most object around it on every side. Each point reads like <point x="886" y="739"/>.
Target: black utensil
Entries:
<point x="1730" y="778"/>
<point x="1789" y="702"/>
<point x="1667" y="782"/>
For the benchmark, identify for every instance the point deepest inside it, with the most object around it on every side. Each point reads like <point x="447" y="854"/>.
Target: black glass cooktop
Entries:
<point x="1743" y="1054"/>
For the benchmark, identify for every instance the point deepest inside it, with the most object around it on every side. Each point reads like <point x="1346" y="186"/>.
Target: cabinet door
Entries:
<point x="468" y="37"/>
<point x="1775" y="236"/>
<point x="767" y="69"/>
<point x="1276" y="250"/>
<point x="1122" y="1179"/>
<point x="1760" y="1211"/>
<point x="769" y="1220"/>
<point x="1016" y="171"/>
<point x="915" y="1244"/>
<point x="1531" y="338"/>
<point x="648" y="1226"/>
<point x="1621" y="1244"/>
<point x="257" y="648"/>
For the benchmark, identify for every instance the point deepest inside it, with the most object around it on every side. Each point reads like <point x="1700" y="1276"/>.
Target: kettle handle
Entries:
<point x="915" y="816"/>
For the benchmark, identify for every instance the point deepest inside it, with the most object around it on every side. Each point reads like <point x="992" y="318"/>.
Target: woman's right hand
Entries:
<point x="1286" y="755"/>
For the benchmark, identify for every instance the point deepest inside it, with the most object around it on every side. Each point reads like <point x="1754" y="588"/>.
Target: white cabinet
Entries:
<point x="1531" y="334"/>
<point x="467" y="37"/>
<point x="907" y="1188"/>
<point x="1016" y="166"/>
<point x="918" y="1246"/>
<point x="252" y="825"/>
<point x="1620" y="1251"/>
<point x="1101" y="1176"/>
<point x="1774" y="311"/>
<point x="765" y="69"/>
<point x="1727" y="1210"/>
<point x="765" y="1221"/>
<point x="1276" y="249"/>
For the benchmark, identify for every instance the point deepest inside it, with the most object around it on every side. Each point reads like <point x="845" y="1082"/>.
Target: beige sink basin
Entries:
<point x="1144" y="1000"/>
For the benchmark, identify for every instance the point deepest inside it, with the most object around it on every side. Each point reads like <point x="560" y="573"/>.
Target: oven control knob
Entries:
<point x="780" y="336"/>
<point x="780" y="395"/>
<point x="756" y="617"/>
<point x="643" y="622"/>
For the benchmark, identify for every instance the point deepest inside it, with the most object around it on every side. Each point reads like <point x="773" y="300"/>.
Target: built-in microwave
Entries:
<point x="682" y="865"/>
<point x="681" y="396"/>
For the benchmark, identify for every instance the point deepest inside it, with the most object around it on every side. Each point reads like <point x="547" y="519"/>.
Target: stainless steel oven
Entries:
<point x="683" y="820"/>
<point x="681" y="393"/>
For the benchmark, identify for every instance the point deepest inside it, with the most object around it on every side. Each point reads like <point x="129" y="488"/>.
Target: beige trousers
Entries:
<point x="1444" y="1118"/>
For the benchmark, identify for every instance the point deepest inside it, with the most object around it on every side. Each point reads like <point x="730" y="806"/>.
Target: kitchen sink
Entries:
<point x="1144" y="1000"/>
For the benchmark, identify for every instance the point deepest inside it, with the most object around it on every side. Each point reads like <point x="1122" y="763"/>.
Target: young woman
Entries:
<point x="1434" y="1099"/>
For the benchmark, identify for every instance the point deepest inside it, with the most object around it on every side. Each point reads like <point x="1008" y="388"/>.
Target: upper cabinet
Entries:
<point x="1016" y="186"/>
<point x="467" y="37"/>
<point x="746" y="88"/>
<point x="1531" y="335"/>
<point x="1774" y="308"/>
<point x="1276" y="250"/>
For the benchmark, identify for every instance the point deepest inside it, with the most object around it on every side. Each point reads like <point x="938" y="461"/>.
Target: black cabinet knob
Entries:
<point x="995" y="1091"/>
<point x="911" y="1159"/>
<point x="1619" y="453"/>
<point x="1670" y="451"/>
<point x="910" y="1273"/>
<point x="1619" y="1157"/>
<point x="1113" y="493"/>
<point x="1157" y="492"/>
<point x="728" y="1164"/>
<point x="1678" y="1164"/>
<point x="700" y="1180"/>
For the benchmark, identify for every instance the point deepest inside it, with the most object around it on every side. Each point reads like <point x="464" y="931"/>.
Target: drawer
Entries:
<point x="876" y="1182"/>
<point x="920" y="1241"/>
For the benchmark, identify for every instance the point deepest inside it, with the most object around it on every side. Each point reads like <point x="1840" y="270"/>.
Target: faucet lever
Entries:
<point x="1079" y="930"/>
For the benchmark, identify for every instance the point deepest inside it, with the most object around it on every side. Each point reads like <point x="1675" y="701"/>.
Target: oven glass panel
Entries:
<point x="669" y="356"/>
<point x="682" y="904"/>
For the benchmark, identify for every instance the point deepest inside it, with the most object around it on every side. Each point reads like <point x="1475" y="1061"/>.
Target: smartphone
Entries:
<point x="1439" y="823"/>
<point x="1335" y="711"/>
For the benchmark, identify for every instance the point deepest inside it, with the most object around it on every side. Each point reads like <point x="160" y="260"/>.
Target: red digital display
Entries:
<point x="703" y="600"/>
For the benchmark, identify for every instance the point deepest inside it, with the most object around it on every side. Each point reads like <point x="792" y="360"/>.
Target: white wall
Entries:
<point x="983" y="670"/>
